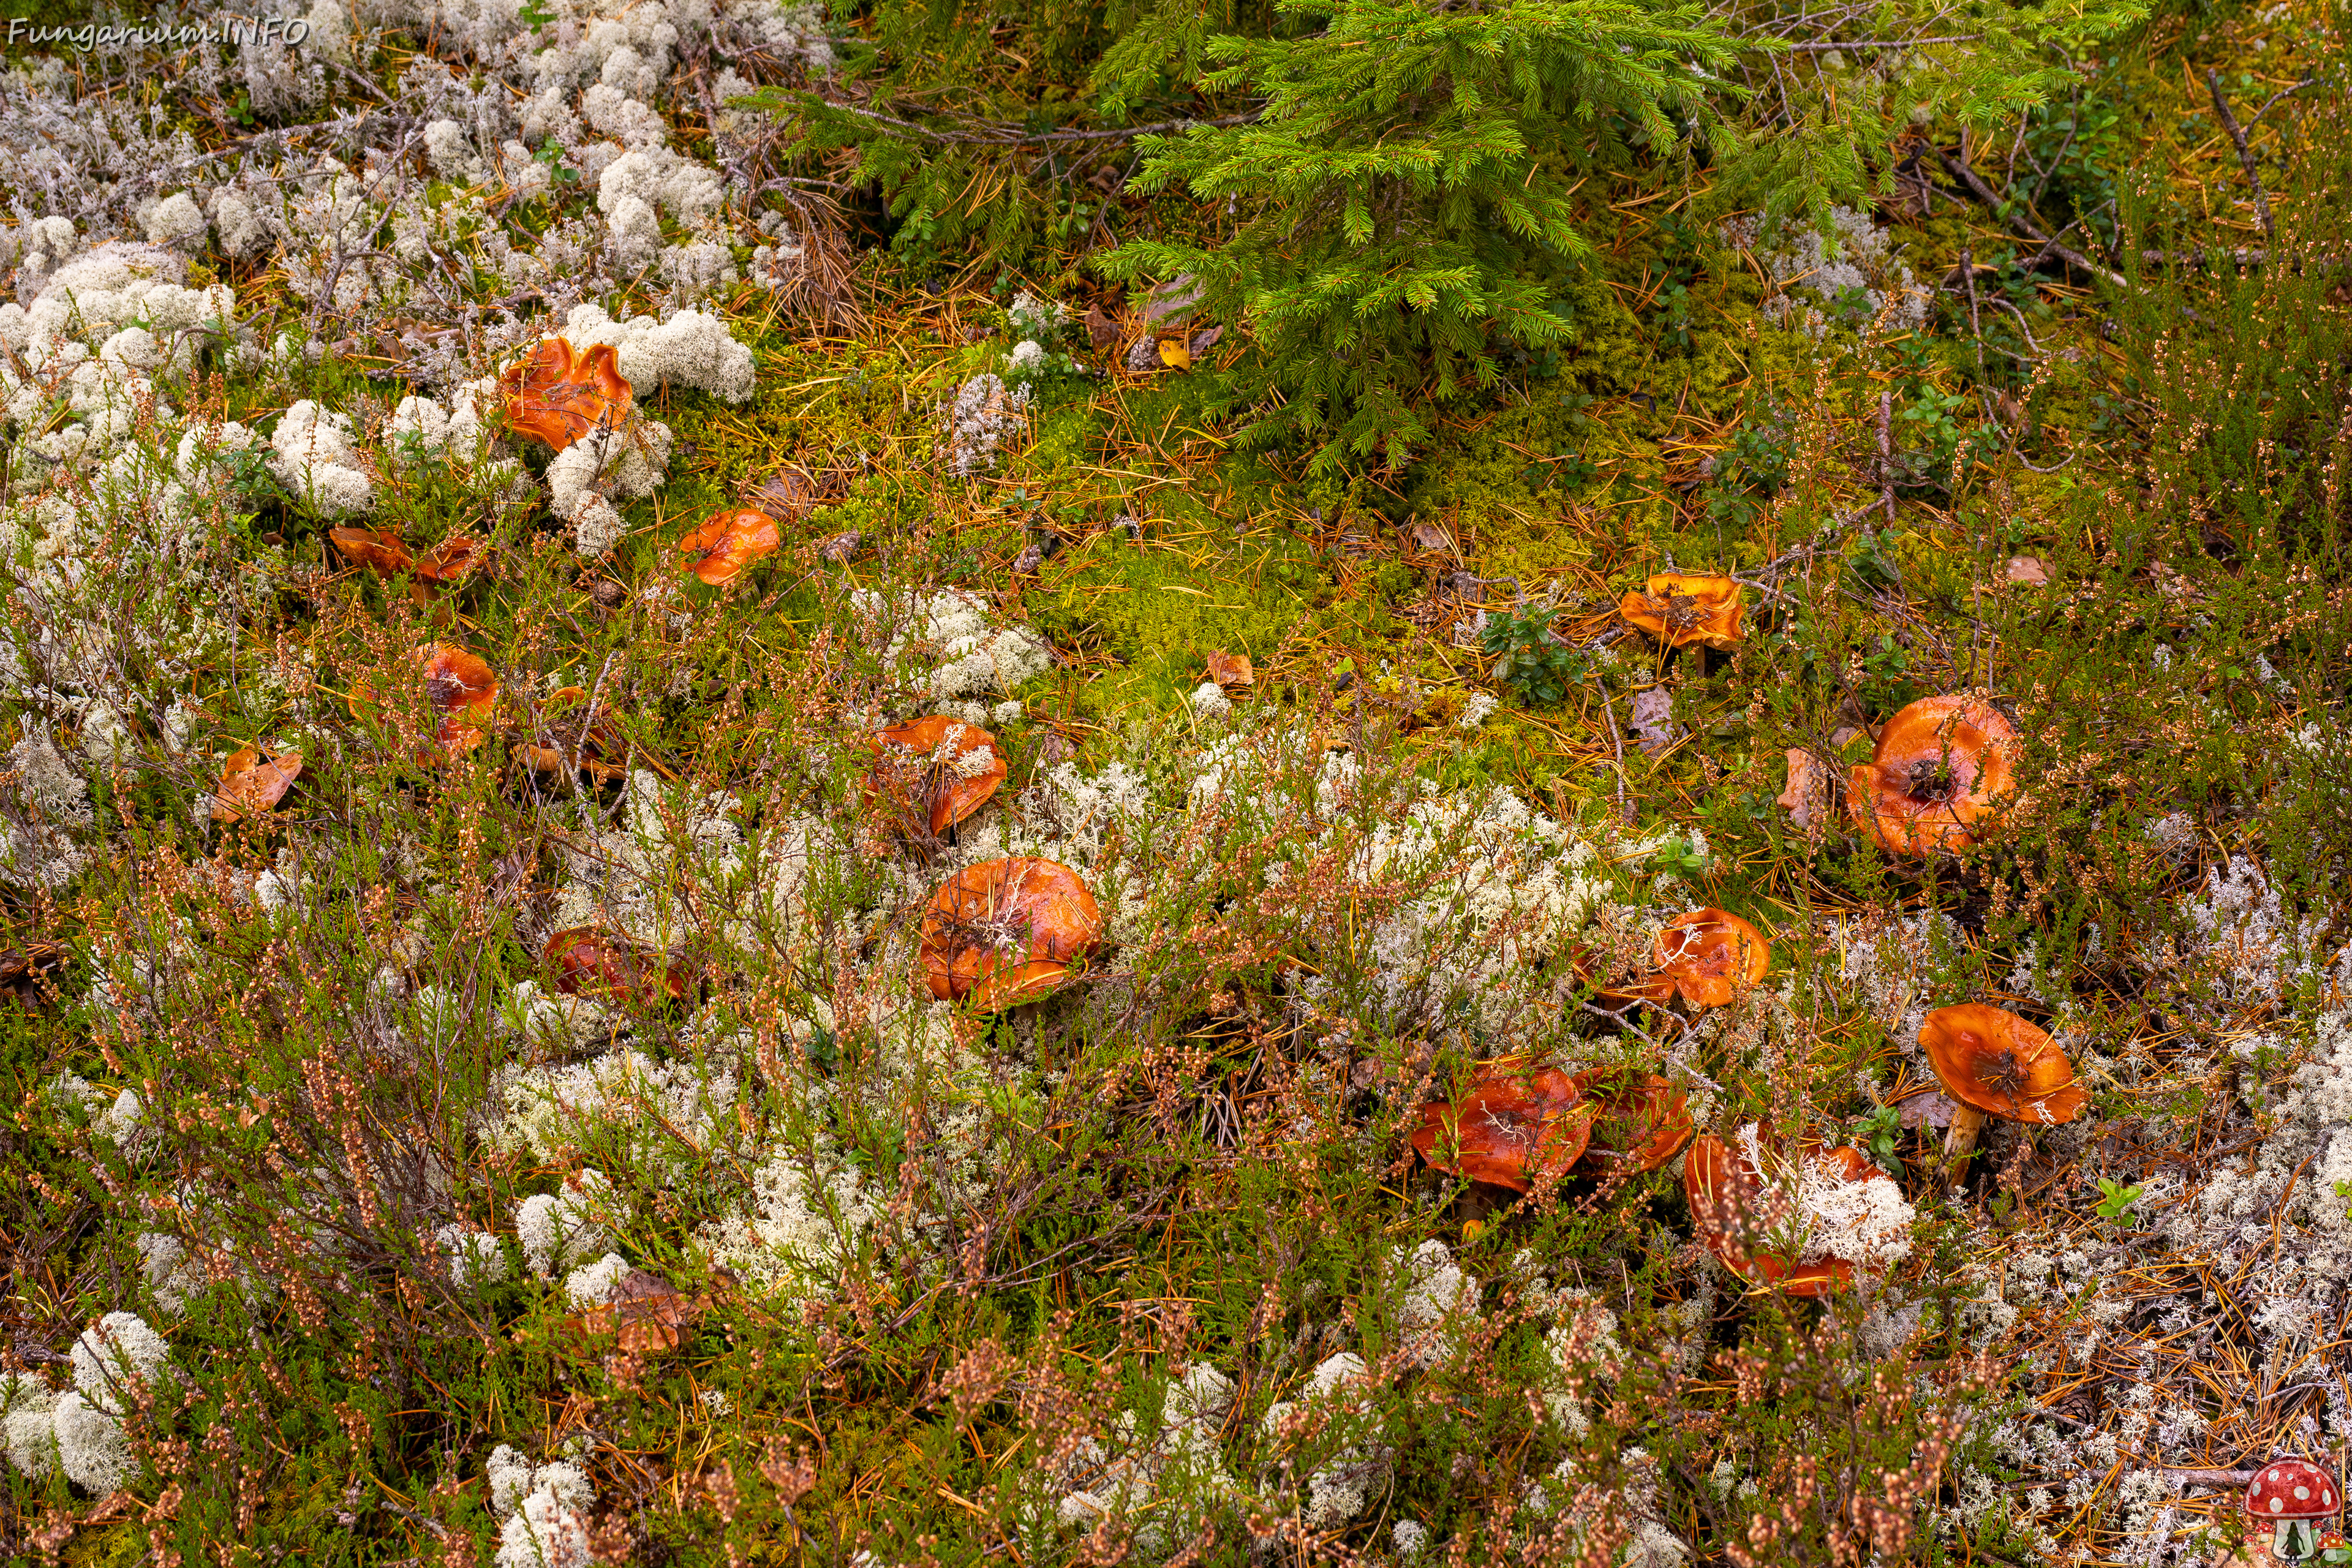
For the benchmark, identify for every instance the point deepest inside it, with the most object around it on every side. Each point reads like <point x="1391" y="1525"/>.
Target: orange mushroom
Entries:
<point x="1643" y="1121"/>
<point x="557" y="394"/>
<point x="379" y="550"/>
<point x="719" y="549"/>
<point x="1511" y="1127"/>
<point x="1940" y="764"/>
<point x="1739" y="1215"/>
<point x="1679" y="608"/>
<point x="589" y="960"/>
<point x="937" y="770"/>
<point x="450" y="560"/>
<point x="1709" y="956"/>
<point x="461" y="689"/>
<point x="1007" y="931"/>
<point x="253" y="783"/>
<point x="1993" y="1063"/>
<point x="595" y="746"/>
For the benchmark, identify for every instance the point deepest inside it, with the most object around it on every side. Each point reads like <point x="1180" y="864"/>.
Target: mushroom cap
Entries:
<point x="1679" y="608"/>
<point x="589" y="961"/>
<point x="938" y="769"/>
<point x="562" y="739"/>
<point x="1940" y="766"/>
<point x="1646" y="1122"/>
<point x="2292" y="1488"/>
<point x="1730" y="1204"/>
<point x="380" y="550"/>
<point x="252" y="783"/>
<point x="556" y="393"/>
<point x="450" y="560"/>
<point x="1512" y="1127"/>
<point x="461" y="688"/>
<point x="1006" y="931"/>
<point x="1989" y="1057"/>
<point x="1710" y="956"/>
<point x="719" y="548"/>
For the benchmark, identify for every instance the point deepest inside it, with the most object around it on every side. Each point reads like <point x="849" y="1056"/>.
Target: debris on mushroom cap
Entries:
<point x="1679" y="609"/>
<point x="1805" y="1227"/>
<point x="1710" y="956"/>
<point x="460" y="686"/>
<point x="719" y="549"/>
<point x="1511" y="1127"/>
<point x="557" y="394"/>
<point x="589" y="961"/>
<point x="937" y="770"/>
<point x="1734" y="1211"/>
<point x="1990" y="1059"/>
<point x="595" y="744"/>
<point x="252" y="783"/>
<point x="380" y="550"/>
<point x="2292" y="1488"/>
<point x="450" y="560"/>
<point x="1644" y="1122"/>
<point x="1939" y="767"/>
<point x="1006" y="931"/>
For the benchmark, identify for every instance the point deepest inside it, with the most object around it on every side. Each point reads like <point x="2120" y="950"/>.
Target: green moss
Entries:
<point x="1158" y="606"/>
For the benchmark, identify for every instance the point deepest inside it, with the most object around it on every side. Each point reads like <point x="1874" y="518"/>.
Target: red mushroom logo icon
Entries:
<point x="2291" y="1499"/>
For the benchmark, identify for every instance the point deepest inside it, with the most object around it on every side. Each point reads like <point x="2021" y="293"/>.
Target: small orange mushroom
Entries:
<point x="253" y="783"/>
<point x="1007" y="931"/>
<point x="1510" y="1129"/>
<point x="557" y="394"/>
<point x="564" y="738"/>
<point x="1737" y="1214"/>
<point x="719" y="549"/>
<point x="461" y="689"/>
<point x="1993" y="1063"/>
<point x="589" y="960"/>
<point x="1940" y="764"/>
<point x="379" y="550"/>
<point x="937" y="770"/>
<point x="1679" y="608"/>
<point x="450" y="560"/>
<point x="1644" y="1122"/>
<point x="1709" y="956"/>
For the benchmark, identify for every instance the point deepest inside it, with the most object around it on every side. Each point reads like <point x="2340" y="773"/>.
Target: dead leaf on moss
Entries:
<point x="648" y="1313"/>
<point x="252" y="784"/>
<point x="2031" y="570"/>
<point x="1231" y="670"/>
<point x="24" y="969"/>
<point x="1175" y="353"/>
<point x="1933" y="1109"/>
<point x="1102" y="329"/>
<point x="1807" y="799"/>
<point x="1653" y="719"/>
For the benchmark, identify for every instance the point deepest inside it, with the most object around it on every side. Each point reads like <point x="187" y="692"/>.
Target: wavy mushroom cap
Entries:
<point x="461" y="689"/>
<point x="722" y="546"/>
<point x="1989" y="1057"/>
<point x="1734" y="1210"/>
<point x="450" y="560"/>
<point x="589" y="960"/>
<point x="1006" y="931"/>
<point x="1511" y="1127"/>
<point x="378" y="550"/>
<point x="1710" y="956"/>
<point x="1940" y="764"/>
<point x="557" y="393"/>
<point x="251" y="783"/>
<point x="937" y="770"/>
<point x="1678" y="608"/>
<point x="1644" y="1122"/>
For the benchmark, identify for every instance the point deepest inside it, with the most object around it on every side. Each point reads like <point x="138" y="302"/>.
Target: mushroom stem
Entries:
<point x="1967" y="1122"/>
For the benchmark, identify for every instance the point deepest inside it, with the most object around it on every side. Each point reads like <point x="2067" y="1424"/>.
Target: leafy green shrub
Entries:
<point x="1528" y="658"/>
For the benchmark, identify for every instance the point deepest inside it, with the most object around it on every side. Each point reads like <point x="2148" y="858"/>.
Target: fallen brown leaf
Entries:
<point x="1807" y="796"/>
<point x="1231" y="670"/>
<point x="1102" y="329"/>
<point x="2031" y="570"/>
<point x="252" y="784"/>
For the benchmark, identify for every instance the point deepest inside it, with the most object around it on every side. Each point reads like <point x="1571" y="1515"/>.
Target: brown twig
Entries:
<point x="2246" y="153"/>
<point x="2026" y="227"/>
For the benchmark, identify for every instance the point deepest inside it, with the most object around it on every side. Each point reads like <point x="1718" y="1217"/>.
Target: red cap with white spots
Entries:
<point x="2292" y="1488"/>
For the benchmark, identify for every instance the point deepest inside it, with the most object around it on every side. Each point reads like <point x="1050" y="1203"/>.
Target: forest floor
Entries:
<point x="537" y="1123"/>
